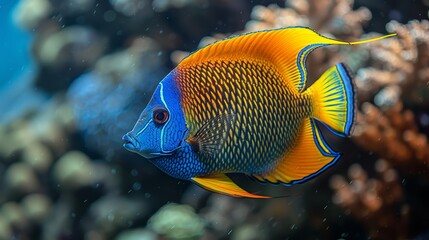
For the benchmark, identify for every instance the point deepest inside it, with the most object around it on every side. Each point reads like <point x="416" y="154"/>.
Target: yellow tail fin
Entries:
<point x="333" y="100"/>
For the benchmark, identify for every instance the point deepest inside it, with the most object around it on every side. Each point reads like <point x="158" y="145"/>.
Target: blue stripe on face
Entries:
<point x="161" y="94"/>
<point x="171" y="133"/>
<point x="142" y="130"/>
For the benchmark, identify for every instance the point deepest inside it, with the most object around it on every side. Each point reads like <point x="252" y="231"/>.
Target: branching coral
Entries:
<point x="397" y="79"/>
<point x="334" y="16"/>
<point x="399" y="75"/>
<point x="393" y="134"/>
<point x="376" y="202"/>
<point x="400" y="65"/>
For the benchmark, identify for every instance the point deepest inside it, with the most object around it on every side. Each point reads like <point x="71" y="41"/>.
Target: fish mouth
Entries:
<point x="130" y="143"/>
<point x="133" y="145"/>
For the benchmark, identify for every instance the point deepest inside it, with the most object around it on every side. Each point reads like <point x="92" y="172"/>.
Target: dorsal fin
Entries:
<point x="286" y="48"/>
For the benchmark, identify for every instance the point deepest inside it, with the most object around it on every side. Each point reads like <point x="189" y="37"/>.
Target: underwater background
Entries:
<point x="75" y="75"/>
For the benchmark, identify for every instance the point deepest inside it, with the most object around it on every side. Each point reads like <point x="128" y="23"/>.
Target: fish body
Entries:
<point x="240" y="106"/>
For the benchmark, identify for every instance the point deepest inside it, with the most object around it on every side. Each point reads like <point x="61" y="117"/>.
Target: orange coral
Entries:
<point x="401" y="61"/>
<point x="334" y="16"/>
<point x="374" y="201"/>
<point x="392" y="134"/>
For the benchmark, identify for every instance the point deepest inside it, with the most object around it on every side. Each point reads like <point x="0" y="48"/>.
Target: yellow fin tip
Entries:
<point x="373" y="39"/>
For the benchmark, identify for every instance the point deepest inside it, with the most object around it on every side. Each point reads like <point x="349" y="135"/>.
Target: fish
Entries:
<point x="241" y="105"/>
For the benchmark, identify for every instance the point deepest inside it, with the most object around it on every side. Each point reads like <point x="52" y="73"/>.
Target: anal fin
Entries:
<point x="309" y="157"/>
<point x="221" y="183"/>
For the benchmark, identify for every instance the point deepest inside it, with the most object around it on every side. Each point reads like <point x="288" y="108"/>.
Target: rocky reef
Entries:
<point x="65" y="175"/>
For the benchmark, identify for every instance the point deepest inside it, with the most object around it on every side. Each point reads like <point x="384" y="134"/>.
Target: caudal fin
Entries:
<point x="334" y="99"/>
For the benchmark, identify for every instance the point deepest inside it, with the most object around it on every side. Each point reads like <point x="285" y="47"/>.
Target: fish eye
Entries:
<point x="160" y="115"/>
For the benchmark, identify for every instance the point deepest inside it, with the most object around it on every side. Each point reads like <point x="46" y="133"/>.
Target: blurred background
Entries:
<point x="75" y="75"/>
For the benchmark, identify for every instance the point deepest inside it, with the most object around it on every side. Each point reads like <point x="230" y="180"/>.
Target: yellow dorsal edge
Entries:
<point x="285" y="48"/>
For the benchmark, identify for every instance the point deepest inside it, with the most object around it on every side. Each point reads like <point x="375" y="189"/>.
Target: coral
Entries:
<point x="332" y="16"/>
<point x="163" y="5"/>
<point x="129" y="7"/>
<point x="223" y="213"/>
<point x="174" y="221"/>
<point x="112" y="212"/>
<point x="249" y="232"/>
<point x="376" y="202"/>
<point x="237" y="218"/>
<point x="13" y="215"/>
<point x="29" y="13"/>
<point x="136" y="234"/>
<point x="36" y="207"/>
<point x="393" y="134"/>
<point x="42" y="130"/>
<point x="70" y="49"/>
<point x="74" y="170"/>
<point x="390" y="127"/>
<point x="398" y="76"/>
<point x="124" y="83"/>
<point x="399" y="66"/>
<point x="5" y="229"/>
<point x="20" y="179"/>
<point x="35" y="162"/>
<point x="38" y="156"/>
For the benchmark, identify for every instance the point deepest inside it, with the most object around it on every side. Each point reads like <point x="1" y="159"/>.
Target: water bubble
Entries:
<point x="109" y="16"/>
<point x="134" y="173"/>
<point x="111" y="217"/>
<point x="137" y="186"/>
<point x="424" y="119"/>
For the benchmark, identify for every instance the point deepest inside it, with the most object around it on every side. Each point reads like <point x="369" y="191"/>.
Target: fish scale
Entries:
<point x="266" y="110"/>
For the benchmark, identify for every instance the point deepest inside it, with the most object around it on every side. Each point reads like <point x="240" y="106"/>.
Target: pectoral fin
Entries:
<point x="212" y="135"/>
<point x="220" y="183"/>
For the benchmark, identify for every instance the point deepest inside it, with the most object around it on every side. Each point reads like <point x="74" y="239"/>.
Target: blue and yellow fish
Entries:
<point x="240" y="106"/>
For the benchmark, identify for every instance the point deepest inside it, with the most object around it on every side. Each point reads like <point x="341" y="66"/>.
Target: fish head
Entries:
<point x="160" y="130"/>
